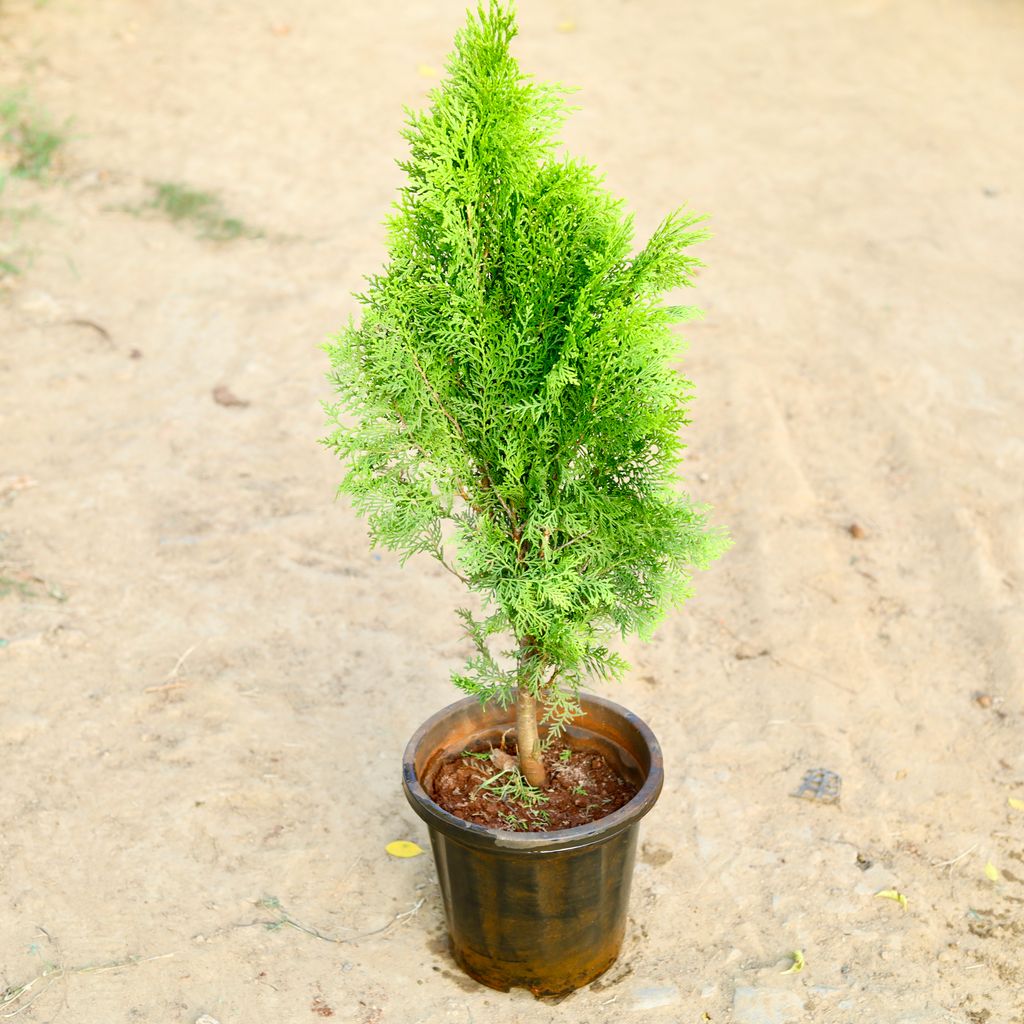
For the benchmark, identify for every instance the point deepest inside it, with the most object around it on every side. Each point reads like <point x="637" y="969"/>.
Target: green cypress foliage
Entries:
<point x="507" y="403"/>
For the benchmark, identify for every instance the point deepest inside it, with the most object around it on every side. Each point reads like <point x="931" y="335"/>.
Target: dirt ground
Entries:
<point x="208" y="678"/>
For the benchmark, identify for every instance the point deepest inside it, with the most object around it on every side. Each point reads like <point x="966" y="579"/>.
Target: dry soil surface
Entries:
<point x="208" y="678"/>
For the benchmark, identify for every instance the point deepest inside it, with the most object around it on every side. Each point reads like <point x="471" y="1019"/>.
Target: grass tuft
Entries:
<point x="182" y="204"/>
<point x="29" y="138"/>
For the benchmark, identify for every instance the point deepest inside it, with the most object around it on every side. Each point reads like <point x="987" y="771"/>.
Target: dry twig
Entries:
<point x="54" y="972"/>
<point x="284" y="918"/>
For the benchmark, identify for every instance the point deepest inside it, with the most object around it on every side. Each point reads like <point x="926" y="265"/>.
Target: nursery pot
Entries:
<point x="541" y="910"/>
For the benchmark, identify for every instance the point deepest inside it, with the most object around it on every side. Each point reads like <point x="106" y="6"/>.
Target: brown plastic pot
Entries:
<point x="541" y="910"/>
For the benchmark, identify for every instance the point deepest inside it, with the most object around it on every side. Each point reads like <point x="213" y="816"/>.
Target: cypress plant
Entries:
<point x="507" y="403"/>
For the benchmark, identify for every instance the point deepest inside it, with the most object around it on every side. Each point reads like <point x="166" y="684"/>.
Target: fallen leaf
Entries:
<point x="893" y="894"/>
<point x="798" y="962"/>
<point x="502" y="761"/>
<point x="992" y="872"/>
<point x="403" y="848"/>
<point x="1017" y="805"/>
<point x="223" y="395"/>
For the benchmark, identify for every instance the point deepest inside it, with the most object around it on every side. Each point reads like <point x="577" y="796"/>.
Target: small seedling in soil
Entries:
<point x="509" y="403"/>
<point x="565" y="755"/>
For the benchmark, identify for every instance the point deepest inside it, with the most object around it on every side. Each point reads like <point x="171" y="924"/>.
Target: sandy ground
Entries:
<point x="207" y="677"/>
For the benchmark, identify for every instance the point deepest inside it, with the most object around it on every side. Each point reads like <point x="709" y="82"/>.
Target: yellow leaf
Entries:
<point x="893" y="894"/>
<point x="567" y="26"/>
<point x="403" y="848"/>
<point x="991" y="872"/>
<point x="426" y="71"/>
<point x="798" y="962"/>
<point x="1017" y="805"/>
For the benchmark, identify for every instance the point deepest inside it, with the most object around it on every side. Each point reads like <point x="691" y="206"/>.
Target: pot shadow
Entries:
<point x="439" y="946"/>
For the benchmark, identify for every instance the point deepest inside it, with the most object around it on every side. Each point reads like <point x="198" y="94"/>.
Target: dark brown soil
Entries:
<point x="582" y="787"/>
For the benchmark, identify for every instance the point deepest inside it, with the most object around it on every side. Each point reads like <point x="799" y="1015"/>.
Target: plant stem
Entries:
<point x="531" y="763"/>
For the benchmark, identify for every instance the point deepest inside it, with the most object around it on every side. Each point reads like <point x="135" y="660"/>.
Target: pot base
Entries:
<point x="497" y="976"/>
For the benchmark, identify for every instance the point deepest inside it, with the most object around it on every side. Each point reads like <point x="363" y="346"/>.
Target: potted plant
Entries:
<point x="507" y="405"/>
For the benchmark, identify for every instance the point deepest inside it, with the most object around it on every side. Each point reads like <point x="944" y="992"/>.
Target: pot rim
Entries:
<point x="582" y="835"/>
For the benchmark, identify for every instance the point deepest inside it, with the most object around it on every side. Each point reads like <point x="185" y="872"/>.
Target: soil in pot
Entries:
<point x="583" y="787"/>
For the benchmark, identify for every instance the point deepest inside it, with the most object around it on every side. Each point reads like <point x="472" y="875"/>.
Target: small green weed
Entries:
<point x="8" y="268"/>
<point x="14" y="258"/>
<point x="182" y="204"/>
<point x="29" y="138"/>
<point x="27" y="586"/>
<point x="10" y="585"/>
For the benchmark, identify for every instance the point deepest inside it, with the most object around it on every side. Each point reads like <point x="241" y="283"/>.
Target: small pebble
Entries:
<point x="875" y="879"/>
<point x="650" y="997"/>
<point x="223" y="395"/>
<point x="766" y="1006"/>
<point x="857" y="532"/>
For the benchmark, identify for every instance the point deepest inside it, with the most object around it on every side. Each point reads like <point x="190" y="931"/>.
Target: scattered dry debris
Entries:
<point x="320" y="1007"/>
<point x="171" y="680"/>
<point x="748" y="652"/>
<point x="11" y="485"/>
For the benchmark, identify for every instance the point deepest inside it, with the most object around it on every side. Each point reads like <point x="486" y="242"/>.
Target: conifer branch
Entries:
<point x="437" y="398"/>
